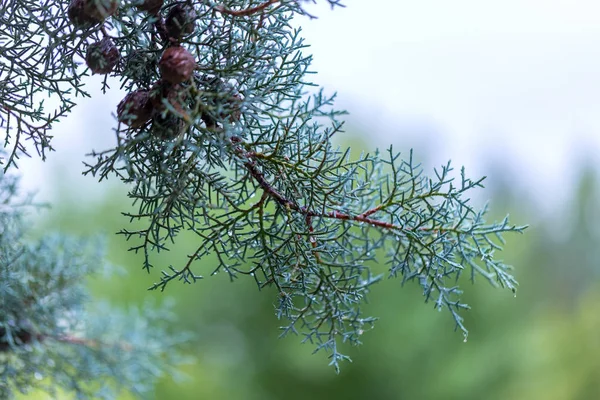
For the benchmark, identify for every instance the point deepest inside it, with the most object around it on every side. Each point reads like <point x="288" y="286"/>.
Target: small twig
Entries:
<point x="91" y="343"/>
<point x="285" y="202"/>
<point x="247" y="11"/>
<point x="364" y="217"/>
<point x="161" y="28"/>
<point x="372" y="211"/>
<point x="312" y="239"/>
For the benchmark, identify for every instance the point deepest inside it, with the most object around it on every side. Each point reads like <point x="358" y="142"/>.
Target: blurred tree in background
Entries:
<point x="230" y="166"/>
<point x="543" y="344"/>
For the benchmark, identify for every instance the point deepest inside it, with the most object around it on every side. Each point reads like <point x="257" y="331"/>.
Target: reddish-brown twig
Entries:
<point x="247" y="11"/>
<point x="250" y="164"/>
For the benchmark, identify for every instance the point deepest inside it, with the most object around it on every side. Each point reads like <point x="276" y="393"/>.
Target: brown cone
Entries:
<point x="174" y="95"/>
<point x="167" y="127"/>
<point x="176" y="65"/>
<point x="135" y="109"/>
<point x="101" y="57"/>
<point x="234" y="105"/>
<point x="100" y="9"/>
<point x="223" y="103"/>
<point x="78" y="17"/>
<point x="181" y="21"/>
<point x="151" y="6"/>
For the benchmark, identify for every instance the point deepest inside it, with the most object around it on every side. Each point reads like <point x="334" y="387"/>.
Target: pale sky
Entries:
<point x="510" y="80"/>
<point x="513" y="80"/>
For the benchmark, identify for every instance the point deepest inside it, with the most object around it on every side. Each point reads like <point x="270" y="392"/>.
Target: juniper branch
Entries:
<point x="219" y="138"/>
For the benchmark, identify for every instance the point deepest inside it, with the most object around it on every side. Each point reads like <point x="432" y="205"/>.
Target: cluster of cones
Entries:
<point x="163" y="106"/>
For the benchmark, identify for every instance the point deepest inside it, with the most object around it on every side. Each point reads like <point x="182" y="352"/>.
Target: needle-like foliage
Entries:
<point x="51" y="337"/>
<point x="223" y="135"/>
<point x="37" y="50"/>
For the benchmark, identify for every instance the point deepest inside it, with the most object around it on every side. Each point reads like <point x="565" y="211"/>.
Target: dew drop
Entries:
<point x="38" y="376"/>
<point x="230" y="233"/>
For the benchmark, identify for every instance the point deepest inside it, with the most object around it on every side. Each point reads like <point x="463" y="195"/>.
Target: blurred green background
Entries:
<point x="542" y="344"/>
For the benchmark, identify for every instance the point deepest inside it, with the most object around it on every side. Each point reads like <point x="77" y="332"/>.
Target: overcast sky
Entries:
<point x="510" y="80"/>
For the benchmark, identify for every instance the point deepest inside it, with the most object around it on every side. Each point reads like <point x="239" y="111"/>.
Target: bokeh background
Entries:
<point x="510" y="89"/>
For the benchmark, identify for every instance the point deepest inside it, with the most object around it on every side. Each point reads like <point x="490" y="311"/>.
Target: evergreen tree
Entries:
<point x="217" y="136"/>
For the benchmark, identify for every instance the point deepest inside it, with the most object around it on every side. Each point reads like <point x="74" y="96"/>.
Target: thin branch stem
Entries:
<point x="247" y="11"/>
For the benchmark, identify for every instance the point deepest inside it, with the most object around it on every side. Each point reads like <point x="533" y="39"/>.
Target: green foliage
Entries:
<point x="543" y="344"/>
<point x="38" y="50"/>
<point x="220" y="139"/>
<point x="51" y="337"/>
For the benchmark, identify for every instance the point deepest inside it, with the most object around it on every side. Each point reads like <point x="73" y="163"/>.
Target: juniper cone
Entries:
<point x="150" y="6"/>
<point x="78" y="17"/>
<point x="224" y="103"/>
<point x="135" y="109"/>
<point x="100" y="9"/>
<point x="167" y="127"/>
<point x="270" y="197"/>
<point x="181" y="21"/>
<point x="228" y="109"/>
<point x="234" y="105"/>
<point x="176" y="65"/>
<point x="102" y="56"/>
<point x="175" y="95"/>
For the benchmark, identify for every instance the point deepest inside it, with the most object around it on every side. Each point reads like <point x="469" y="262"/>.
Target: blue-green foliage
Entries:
<point x="51" y="337"/>
<point x="241" y="156"/>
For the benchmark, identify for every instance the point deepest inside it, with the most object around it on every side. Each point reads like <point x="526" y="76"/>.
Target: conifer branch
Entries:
<point x="247" y="11"/>
<point x="217" y="116"/>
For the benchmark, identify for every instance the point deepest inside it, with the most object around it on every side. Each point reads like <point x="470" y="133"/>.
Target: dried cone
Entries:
<point x="230" y="112"/>
<point x="173" y="94"/>
<point x="135" y="109"/>
<point x="224" y="103"/>
<point x="234" y="104"/>
<point x="100" y="9"/>
<point x="167" y="127"/>
<point x="151" y="6"/>
<point x="176" y="65"/>
<point x="181" y="21"/>
<point x="78" y="17"/>
<point x="102" y="56"/>
<point x="231" y="108"/>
